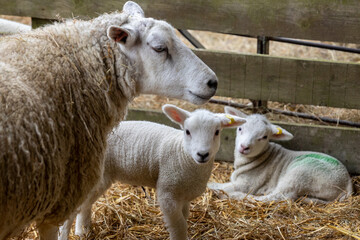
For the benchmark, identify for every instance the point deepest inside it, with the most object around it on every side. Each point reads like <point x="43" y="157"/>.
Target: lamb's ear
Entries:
<point x="229" y="121"/>
<point x="125" y="34"/>
<point x="176" y="114"/>
<point x="278" y="133"/>
<point x="234" y="111"/>
<point x="133" y="9"/>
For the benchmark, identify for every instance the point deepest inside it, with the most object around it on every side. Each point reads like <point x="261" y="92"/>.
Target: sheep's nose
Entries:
<point x="212" y="83"/>
<point x="203" y="155"/>
<point x="243" y="147"/>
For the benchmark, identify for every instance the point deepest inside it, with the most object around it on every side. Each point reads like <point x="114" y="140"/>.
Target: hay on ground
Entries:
<point x="127" y="212"/>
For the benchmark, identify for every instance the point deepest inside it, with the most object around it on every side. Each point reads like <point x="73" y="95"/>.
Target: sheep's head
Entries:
<point x="165" y="65"/>
<point x="201" y="130"/>
<point x="252" y="138"/>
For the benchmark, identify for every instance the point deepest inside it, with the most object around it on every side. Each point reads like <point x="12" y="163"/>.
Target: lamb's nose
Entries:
<point x="212" y="83"/>
<point x="203" y="155"/>
<point x="243" y="147"/>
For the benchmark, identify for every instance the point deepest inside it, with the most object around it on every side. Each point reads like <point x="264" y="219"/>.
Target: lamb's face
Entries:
<point x="201" y="130"/>
<point x="165" y="65"/>
<point x="202" y="136"/>
<point x="252" y="138"/>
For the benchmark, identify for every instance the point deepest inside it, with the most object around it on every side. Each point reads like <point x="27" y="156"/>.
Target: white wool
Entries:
<point x="11" y="27"/>
<point x="177" y="163"/>
<point x="266" y="171"/>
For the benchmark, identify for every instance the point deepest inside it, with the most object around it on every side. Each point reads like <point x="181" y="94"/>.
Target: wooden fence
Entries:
<point x="289" y="80"/>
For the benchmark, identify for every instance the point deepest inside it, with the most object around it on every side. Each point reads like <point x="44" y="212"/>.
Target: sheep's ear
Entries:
<point x="229" y="121"/>
<point x="133" y="9"/>
<point x="234" y="111"/>
<point x="123" y="35"/>
<point x="176" y="114"/>
<point x="278" y="133"/>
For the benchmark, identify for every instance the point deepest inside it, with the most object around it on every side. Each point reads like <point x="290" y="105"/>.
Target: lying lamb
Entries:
<point x="177" y="163"/>
<point x="264" y="168"/>
<point x="63" y="88"/>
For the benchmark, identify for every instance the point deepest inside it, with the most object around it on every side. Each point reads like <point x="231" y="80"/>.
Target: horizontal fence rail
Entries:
<point x="288" y="80"/>
<point x="324" y="20"/>
<point x="341" y="143"/>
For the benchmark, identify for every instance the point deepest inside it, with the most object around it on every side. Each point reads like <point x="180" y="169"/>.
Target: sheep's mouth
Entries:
<point x="206" y="98"/>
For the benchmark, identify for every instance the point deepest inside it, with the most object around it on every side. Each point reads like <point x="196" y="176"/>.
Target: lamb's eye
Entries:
<point x="160" y="48"/>
<point x="187" y="132"/>
<point x="264" y="137"/>
<point x="217" y="132"/>
<point x="239" y="129"/>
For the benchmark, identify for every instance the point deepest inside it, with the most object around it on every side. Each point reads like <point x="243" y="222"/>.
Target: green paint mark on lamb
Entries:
<point x="314" y="159"/>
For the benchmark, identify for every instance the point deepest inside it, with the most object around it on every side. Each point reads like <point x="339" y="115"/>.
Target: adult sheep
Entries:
<point x="62" y="89"/>
<point x="269" y="172"/>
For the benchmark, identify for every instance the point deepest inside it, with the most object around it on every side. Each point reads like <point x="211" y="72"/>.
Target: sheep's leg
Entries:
<point x="65" y="228"/>
<point x="173" y="217"/>
<point x="226" y="187"/>
<point x="48" y="231"/>
<point x="229" y="188"/>
<point x="186" y="210"/>
<point x="83" y="220"/>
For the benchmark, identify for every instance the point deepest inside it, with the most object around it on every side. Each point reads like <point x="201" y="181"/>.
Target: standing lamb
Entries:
<point x="63" y="88"/>
<point x="268" y="169"/>
<point x="177" y="163"/>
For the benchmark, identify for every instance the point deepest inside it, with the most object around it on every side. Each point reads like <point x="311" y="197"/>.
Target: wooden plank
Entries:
<point x="352" y="96"/>
<point x="329" y="20"/>
<point x="304" y="82"/>
<point x="270" y="79"/>
<point x="341" y="143"/>
<point x="285" y="80"/>
<point x="337" y="85"/>
<point x="253" y="74"/>
<point x="321" y="84"/>
<point x="238" y="74"/>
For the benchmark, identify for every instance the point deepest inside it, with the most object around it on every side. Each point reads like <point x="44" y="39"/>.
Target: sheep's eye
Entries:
<point x="239" y="129"/>
<point x="160" y="49"/>
<point x="187" y="132"/>
<point x="264" y="137"/>
<point x="217" y="132"/>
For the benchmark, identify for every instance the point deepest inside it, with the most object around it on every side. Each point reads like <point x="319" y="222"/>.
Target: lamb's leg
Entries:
<point x="48" y="231"/>
<point x="173" y="216"/>
<point x="229" y="188"/>
<point x="65" y="228"/>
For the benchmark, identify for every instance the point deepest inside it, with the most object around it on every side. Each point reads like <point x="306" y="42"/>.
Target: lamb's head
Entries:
<point x="253" y="137"/>
<point x="165" y="65"/>
<point x="201" y="130"/>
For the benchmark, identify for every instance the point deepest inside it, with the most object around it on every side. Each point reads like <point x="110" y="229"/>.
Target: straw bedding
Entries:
<point x="128" y="212"/>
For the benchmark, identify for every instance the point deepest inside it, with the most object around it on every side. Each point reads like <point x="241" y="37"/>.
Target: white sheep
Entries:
<point x="63" y="88"/>
<point x="11" y="27"/>
<point x="266" y="171"/>
<point x="177" y="163"/>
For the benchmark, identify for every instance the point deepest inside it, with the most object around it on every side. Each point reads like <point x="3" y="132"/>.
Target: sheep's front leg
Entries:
<point x="65" y="228"/>
<point x="83" y="220"/>
<point x="174" y="219"/>
<point x="48" y="231"/>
